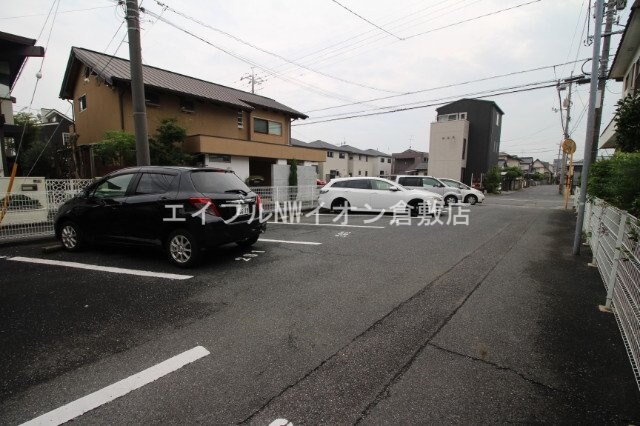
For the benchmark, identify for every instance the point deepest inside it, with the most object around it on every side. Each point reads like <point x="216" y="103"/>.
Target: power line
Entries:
<point x="365" y="19"/>
<point x="64" y="11"/>
<point x="268" y="52"/>
<point x="464" y="21"/>
<point x="377" y="36"/>
<point x="447" y="86"/>
<point x="440" y="99"/>
<point x="422" y="106"/>
<point x="246" y="60"/>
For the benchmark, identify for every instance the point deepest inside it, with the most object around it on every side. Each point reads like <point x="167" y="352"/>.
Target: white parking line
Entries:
<point x="328" y="224"/>
<point x="96" y="399"/>
<point x="100" y="268"/>
<point x="308" y="243"/>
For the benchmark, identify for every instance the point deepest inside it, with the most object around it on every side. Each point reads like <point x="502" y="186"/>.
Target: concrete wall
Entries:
<point x="446" y="142"/>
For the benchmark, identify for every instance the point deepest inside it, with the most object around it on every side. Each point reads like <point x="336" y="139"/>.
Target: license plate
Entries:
<point x="244" y="210"/>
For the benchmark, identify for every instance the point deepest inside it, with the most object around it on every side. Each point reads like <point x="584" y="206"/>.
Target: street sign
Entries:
<point x="568" y="146"/>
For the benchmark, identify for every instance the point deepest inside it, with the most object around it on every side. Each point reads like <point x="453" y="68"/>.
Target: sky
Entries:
<point x="329" y="62"/>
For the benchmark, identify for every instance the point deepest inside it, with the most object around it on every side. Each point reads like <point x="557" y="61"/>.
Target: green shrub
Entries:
<point x="617" y="181"/>
<point x="492" y="180"/>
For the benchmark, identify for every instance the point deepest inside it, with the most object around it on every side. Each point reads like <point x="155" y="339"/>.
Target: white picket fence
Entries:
<point x="614" y="238"/>
<point x="30" y="215"/>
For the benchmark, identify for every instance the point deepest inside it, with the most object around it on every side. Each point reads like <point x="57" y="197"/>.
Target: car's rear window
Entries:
<point x="205" y="181"/>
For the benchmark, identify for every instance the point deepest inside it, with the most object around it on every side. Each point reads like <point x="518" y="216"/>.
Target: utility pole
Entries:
<point x="577" y="239"/>
<point x="602" y="80"/>
<point x="137" y="85"/>
<point x="563" y="172"/>
<point x="254" y="80"/>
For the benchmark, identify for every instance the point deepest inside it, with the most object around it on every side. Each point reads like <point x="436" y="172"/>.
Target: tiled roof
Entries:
<point x="113" y="69"/>
<point x="377" y="153"/>
<point x="325" y="145"/>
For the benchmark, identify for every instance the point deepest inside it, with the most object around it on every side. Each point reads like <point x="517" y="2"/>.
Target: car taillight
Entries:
<point x="200" y="202"/>
<point x="258" y="202"/>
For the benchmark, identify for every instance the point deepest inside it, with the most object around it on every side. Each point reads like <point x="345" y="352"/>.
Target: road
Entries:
<point x="368" y="323"/>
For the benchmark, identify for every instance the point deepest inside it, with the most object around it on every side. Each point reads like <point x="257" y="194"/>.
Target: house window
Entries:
<point x="240" y="120"/>
<point x="464" y="147"/>
<point x="187" y="105"/>
<point x="215" y="158"/>
<point x="152" y="98"/>
<point x="382" y="160"/>
<point x="82" y="102"/>
<point x="366" y="159"/>
<point x="267" y="127"/>
<point x="341" y="154"/>
<point x="330" y="154"/>
<point x="66" y="139"/>
<point x="389" y="160"/>
<point x="366" y="173"/>
<point x="359" y="172"/>
<point x="497" y="119"/>
<point x="463" y="116"/>
<point x="350" y="156"/>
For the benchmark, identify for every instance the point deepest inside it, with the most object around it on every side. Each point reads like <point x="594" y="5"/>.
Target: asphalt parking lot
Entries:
<point x="318" y="322"/>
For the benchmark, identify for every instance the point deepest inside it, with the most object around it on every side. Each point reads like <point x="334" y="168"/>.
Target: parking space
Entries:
<point x="267" y="313"/>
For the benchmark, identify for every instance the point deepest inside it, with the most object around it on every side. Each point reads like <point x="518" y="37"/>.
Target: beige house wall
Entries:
<point x="335" y="163"/>
<point x="446" y="142"/>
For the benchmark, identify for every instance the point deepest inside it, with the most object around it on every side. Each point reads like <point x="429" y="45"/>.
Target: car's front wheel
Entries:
<point x="471" y="199"/>
<point x="182" y="248"/>
<point x="70" y="236"/>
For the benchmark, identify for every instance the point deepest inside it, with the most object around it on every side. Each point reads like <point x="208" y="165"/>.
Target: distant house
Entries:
<point x="54" y="133"/>
<point x="464" y="141"/>
<point x="625" y="68"/>
<point x="14" y="52"/>
<point x="381" y="163"/>
<point x="410" y="162"/>
<point x="526" y="165"/>
<point x="507" y="160"/>
<point x="226" y="127"/>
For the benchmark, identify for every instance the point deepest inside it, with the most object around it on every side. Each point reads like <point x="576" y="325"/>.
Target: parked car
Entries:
<point x="321" y="182"/>
<point x="379" y="194"/>
<point x="180" y="209"/>
<point x="469" y="195"/>
<point x="450" y="195"/>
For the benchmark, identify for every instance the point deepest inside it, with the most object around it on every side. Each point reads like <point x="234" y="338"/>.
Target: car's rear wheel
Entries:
<point x="182" y="248"/>
<point x="339" y="204"/>
<point x="450" y="199"/>
<point x="471" y="199"/>
<point x="70" y="236"/>
<point x="249" y="241"/>
<point x="414" y="207"/>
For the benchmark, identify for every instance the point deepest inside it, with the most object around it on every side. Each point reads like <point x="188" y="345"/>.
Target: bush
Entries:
<point x="492" y="180"/>
<point x="628" y="123"/>
<point x="617" y="181"/>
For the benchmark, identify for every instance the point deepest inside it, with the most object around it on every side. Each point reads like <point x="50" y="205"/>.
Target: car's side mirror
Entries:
<point x="394" y="188"/>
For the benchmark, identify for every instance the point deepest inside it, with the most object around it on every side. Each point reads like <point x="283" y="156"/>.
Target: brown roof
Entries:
<point x="113" y="69"/>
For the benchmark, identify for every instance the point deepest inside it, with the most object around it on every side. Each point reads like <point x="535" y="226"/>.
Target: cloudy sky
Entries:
<point x="319" y="58"/>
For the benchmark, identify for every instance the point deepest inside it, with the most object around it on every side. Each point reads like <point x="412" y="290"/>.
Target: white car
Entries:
<point x="469" y="195"/>
<point x="375" y="194"/>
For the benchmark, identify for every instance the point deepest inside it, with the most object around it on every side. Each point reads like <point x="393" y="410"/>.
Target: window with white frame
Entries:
<point x="330" y="154"/>
<point x="66" y="139"/>
<point x="240" y="120"/>
<point x="82" y="103"/>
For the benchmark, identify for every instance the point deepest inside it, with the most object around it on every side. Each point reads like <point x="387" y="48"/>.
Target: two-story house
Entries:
<point x="226" y="127"/>
<point x="625" y="68"/>
<point x="381" y="162"/>
<point x="410" y="162"/>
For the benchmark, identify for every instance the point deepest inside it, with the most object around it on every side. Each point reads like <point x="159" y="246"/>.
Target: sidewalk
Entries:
<point x="529" y="345"/>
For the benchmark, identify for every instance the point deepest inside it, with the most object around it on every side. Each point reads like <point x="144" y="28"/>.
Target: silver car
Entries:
<point x="429" y="183"/>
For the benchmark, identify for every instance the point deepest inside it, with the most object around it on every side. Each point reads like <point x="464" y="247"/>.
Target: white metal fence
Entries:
<point x="30" y="214"/>
<point x="614" y="236"/>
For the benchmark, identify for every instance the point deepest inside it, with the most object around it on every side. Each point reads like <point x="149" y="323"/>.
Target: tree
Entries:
<point x="617" y="181"/>
<point x="166" y="148"/>
<point x="537" y="176"/>
<point x="117" y="148"/>
<point x="512" y="173"/>
<point x="30" y="147"/>
<point x="293" y="173"/>
<point x="628" y="123"/>
<point x="492" y="180"/>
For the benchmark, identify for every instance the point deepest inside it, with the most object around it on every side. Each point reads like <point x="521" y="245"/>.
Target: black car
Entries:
<point x="181" y="209"/>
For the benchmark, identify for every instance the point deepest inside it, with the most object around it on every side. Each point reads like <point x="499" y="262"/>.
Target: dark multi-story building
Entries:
<point x="465" y="140"/>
